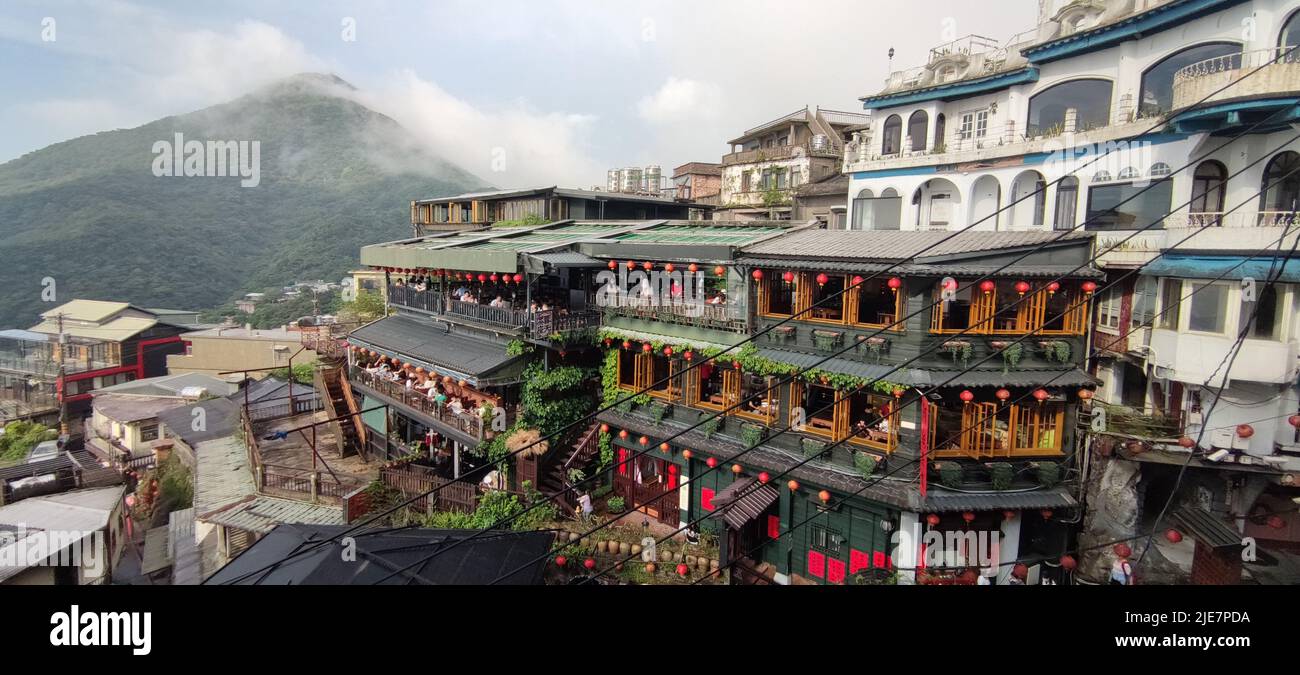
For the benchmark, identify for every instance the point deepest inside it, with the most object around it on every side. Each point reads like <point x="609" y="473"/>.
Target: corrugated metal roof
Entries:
<point x="742" y="502"/>
<point x="1207" y="528"/>
<point x="86" y="310"/>
<point x="1013" y="377"/>
<point x="220" y="418"/>
<point x="73" y="510"/>
<point x="222" y="474"/>
<point x="567" y="259"/>
<point x="845" y="366"/>
<point x="940" y="500"/>
<point x="411" y="339"/>
<point x="261" y="514"/>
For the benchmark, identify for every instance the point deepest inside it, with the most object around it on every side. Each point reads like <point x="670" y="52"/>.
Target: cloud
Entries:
<point x="508" y="145"/>
<point x="682" y="99"/>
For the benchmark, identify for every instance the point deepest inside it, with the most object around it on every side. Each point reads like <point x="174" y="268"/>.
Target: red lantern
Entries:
<point x="482" y="278"/>
<point x="1085" y="394"/>
<point x="692" y="268"/>
<point x="519" y="278"/>
<point x="932" y="519"/>
<point x="1068" y="563"/>
<point x="589" y="564"/>
<point x="1122" y="550"/>
<point x="1245" y="430"/>
<point x="898" y="393"/>
<point x="822" y="279"/>
<point x="1041" y="395"/>
<point x="664" y="446"/>
<point x="1022" y="287"/>
<point x="1046" y="514"/>
<point x="561" y="561"/>
<point x="712" y="462"/>
<point x="604" y="428"/>
<point x="1294" y="420"/>
<point x="647" y="266"/>
<point x="793" y="485"/>
<point x="1002" y="394"/>
<point x="1174" y="536"/>
<point x="682" y="570"/>
<point x="824" y="495"/>
<point x="895" y="283"/>
<point x="611" y="264"/>
<point x="1008" y="514"/>
<point x="736" y="469"/>
<point x="950" y="284"/>
<point x="1088" y="286"/>
<point x="968" y="516"/>
<point x="1020" y="571"/>
<point x="1276" y="522"/>
<point x="627" y="344"/>
<point x="764" y="477"/>
<point x="631" y="265"/>
<point x="669" y="268"/>
<point x="987" y="286"/>
<point x="687" y="454"/>
<point x="1053" y="287"/>
<point x="758" y="275"/>
<point x="643" y="440"/>
<point x="494" y="277"/>
<point x="857" y="281"/>
<point x="787" y="277"/>
<point x="622" y="434"/>
<point x="966" y="395"/>
<point x="720" y="270"/>
<point x="688" y="355"/>
<point x="1187" y="442"/>
<point x="668" y="351"/>
<point x="646" y="347"/>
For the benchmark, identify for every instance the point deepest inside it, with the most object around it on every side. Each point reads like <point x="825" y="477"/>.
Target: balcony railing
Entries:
<point x="467" y="421"/>
<point x="1234" y="219"/>
<point x="780" y="152"/>
<point x="1239" y="61"/>
<point x="406" y="296"/>
<point x="721" y="317"/>
<point x="554" y="321"/>
<point x="503" y="316"/>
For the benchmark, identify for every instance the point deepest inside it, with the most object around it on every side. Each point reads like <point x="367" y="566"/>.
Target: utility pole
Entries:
<point x="63" y="404"/>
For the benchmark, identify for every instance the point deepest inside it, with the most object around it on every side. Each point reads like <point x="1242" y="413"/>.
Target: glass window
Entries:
<point x="1144" y="303"/>
<point x="1290" y="35"/>
<point x="819" y="406"/>
<point x="1067" y="203"/>
<point x="1281" y="183"/>
<point x="1108" y="308"/>
<point x="757" y="396"/>
<point x="711" y="391"/>
<point x="828" y="298"/>
<point x="918" y="125"/>
<point x="940" y="128"/>
<point x="778" y="295"/>
<point x="877" y="303"/>
<point x="1209" y="305"/>
<point x="893" y="135"/>
<point x="1267" y="322"/>
<point x="1171" y="304"/>
<point x="1158" y="80"/>
<point x="1125" y="206"/>
<point x="1207" y="187"/>
<point x="1090" y="99"/>
<point x="956" y="312"/>
<point x="627" y="368"/>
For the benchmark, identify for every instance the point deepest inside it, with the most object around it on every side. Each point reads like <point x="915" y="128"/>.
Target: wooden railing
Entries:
<point x="467" y="421"/>
<point x="503" y="316"/>
<point x="443" y="494"/>
<point x="554" y="321"/>
<point x="649" y="496"/>
<point x="705" y="315"/>
<point x="407" y="296"/>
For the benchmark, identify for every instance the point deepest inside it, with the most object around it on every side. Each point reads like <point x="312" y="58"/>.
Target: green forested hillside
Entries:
<point x="90" y="214"/>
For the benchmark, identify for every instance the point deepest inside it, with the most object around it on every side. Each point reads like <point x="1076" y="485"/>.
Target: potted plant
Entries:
<point x="615" y="504"/>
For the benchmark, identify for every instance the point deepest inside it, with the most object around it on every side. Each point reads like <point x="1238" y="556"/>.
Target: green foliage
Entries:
<point x="658" y="411"/>
<point x="959" y="349"/>
<point x="89" y="212"/>
<point x="494" y="509"/>
<point x="303" y="373"/>
<point x="606" y="452"/>
<point x="554" y="399"/>
<point x="710" y="426"/>
<point x="1011" y="356"/>
<point x="950" y="474"/>
<point x="366" y="308"/>
<point x="1001" y="474"/>
<point x="530" y="220"/>
<point x="20" y="437"/>
<point x="751" y="434"/>
<point x="865" y="463"/>
<point x="1049" y="474"/>
<point x="1056" y="350"/>
<point x="175" y="485"/>
<point x="517" y="348"/>
<point x="615" y="504"/>
<point x="812" y="448"/>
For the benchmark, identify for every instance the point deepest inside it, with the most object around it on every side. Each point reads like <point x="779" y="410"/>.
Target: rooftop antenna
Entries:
<point x="891" y="58"/>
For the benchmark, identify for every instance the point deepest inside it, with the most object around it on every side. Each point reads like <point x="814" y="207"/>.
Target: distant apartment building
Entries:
<point x="769" y="162"/>
<point x="698" y="181"/>
<point x="227" y="349"/>
<point x="540" y="205"/>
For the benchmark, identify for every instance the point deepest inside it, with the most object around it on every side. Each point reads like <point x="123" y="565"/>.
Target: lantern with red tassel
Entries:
<point x="720" y="271"/>
<point x="966" y="395"/>
<point x="1173" y="536"/>
<point x="1046" y="514"/>
<point x="1053" y="287"/>
<point x="764" y="477"/>
<point x="647" y="347"/>
<point x="622" y="434"/>
<point x="668" y="351"/>
<point x="643" y="440"/>
<point x="692" y="268"/>
<point x="631" y="265"/>
<point x="793" y="485"/>
<point x="647" y="265"/>
<point x="561" y="561"/>
<point x="712" y="462"/>
<point x="686" y="454"/>
<point x="932" y="519"/>
<point x="604" y="428"/>
<point x="825" y="496"/>
<point x="1022" y="287"/>
<point x="787" y="277"/>
<point x="612" y="264"/>
<point x="987" y="286"/>
<point x="1002" y="394"/>
<point x="1041" y="395"/>
<point x="1088" y="286"/>
<point x="519" y="278"/>
<point x="968" y="516"/>
<point x="589" y="564"/>
<point x="627" y="344"/>
<point x="736" y="469"/>
<point x="758" y="275"/>
<point x="822" y="279"/>
<point x="664" y="446"/>
<point x="669" y="268"/>
<point x="1245" y="430"/>
<point x="894" y="283"/>
<point x="682" y="570"/>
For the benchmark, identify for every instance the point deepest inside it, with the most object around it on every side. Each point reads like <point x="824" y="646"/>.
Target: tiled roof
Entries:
<point x="408" y="337"/>
<point x="940" y="500"/>
<point x="887" y="245"/>
<point x="261" y="514"/>
<point x="222" y="475"/>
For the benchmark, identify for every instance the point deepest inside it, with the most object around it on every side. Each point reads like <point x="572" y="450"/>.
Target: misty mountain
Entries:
<point x="91" y="214"/>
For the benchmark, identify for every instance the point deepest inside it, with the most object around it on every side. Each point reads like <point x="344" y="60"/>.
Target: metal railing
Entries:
<point x="780" y="152"/>
<point x="503" y="316"/>
<point x="798" y="115"/>
<point x="1234" y="219"/>
<point x="554" y="321"/>
<point x="467" y="421"/>
<point x="407" y="296"/>
<point x="704" y="315"/>
<point x="1237" y="61"/>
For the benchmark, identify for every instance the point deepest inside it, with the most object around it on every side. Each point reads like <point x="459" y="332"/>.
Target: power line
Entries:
<point x="793" y="317"/>
<point x="968" y="368"/>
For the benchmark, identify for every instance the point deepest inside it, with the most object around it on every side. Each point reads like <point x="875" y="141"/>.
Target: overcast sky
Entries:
<point x="562" y="90"/>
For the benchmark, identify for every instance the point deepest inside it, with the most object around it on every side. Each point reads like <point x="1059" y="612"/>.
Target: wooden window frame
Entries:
<point x="674" y="390"/>
<point x="852" y="318"/>
<point x="893" y="417"/>
<point x="806" y="300"/>
<point x="978" y="417"/>
<point x="772" y="398"/>
<point x="765" y="297"/>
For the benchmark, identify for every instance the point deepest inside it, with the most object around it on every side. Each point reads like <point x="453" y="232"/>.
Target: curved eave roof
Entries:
<point x="953" y="90"/>
<point x="1133" y="27"/>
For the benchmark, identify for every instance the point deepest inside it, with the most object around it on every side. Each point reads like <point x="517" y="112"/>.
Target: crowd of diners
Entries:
<point x="492" y="294"/>
<point x="456" y="396"/>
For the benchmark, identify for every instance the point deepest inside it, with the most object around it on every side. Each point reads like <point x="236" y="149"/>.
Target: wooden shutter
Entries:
<point x="851" y="297"/>
<point x="842" y="413"/>
<point x="1030" y="314"/>
<point x="982" y="306"/>
<point x="730" y="387"/>
<point x="977" y="423"/>
<point x="796" y="403"/>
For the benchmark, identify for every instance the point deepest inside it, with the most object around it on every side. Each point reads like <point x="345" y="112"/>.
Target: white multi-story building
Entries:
<point x="1150" y="89"/>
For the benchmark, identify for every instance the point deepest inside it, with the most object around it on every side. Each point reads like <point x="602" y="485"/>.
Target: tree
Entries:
<point x="20" y="437"/>
<point x="367" y="307"/>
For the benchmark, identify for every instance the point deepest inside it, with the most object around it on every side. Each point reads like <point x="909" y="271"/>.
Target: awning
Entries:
<point x="536" y="263"/>
<point x="1207" y="528"/>
<point x="477" y="361"/>
<point x="1226" y="267"/>
<point x="742" y="502"/>
<point x="940" y="501"/>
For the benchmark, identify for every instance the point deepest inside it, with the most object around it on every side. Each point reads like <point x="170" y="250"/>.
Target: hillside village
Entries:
<point x="943" y="340"/>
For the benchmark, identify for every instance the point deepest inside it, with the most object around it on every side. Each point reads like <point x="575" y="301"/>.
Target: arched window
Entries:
<point x="1208" y="187"/>
<point x="1160" y="169"/>
<point x="893" y="135"/>
<point x="918" y="125"/>
<point x="1029" y="200"/>
<point x="1290" y="35"/>
<point x="1067" y="203"/>
<point x="862" y="210"/>
<point x="1101" y="176"/>
<point x="1158" y="80"/>
<point x="1089" y="98"/>
<point x="1128" y="173"/>
<point x="1281" y="183"/>
<point x="940" y="129"/>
